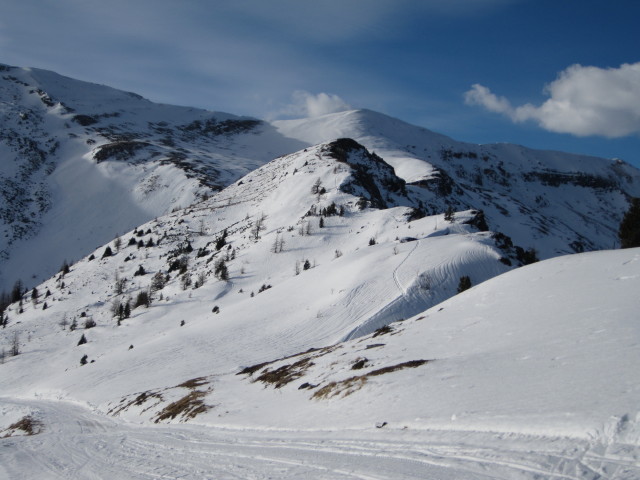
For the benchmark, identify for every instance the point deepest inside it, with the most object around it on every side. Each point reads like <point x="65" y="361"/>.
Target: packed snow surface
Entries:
<point x="536" y="385"/>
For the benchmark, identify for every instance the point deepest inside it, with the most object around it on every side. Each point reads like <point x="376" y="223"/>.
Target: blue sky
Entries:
<point x="562" y="74"/>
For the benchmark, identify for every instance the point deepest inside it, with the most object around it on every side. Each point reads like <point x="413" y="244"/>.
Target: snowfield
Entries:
<point x="539" y="387"/>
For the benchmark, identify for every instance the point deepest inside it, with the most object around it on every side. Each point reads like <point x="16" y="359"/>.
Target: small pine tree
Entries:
<point x="82" y="340"/>
<point x="278" y="244"/>
<point x="120" y="284"/>
<point x="15" y="344"/>
<point x="321" y="222"/>
<point x="17" y="291"/>
<point x="202" y="277"/>
<point x="221" y="271"/>
<point x="143" y="299"/>
<point x="464" y="284"/>
<point x="449" y="214"/>
<point x="64" y="269"/>
<point x="83" y="360"/>
<point x="258" y="226"/>
<point x="185" y="282"/>
<point x="306" y="265"/>
<point x="107" y="252"/>
<point x="221" y="241"/>
<point x="629" y="232"/>
<point x="316" y="186"/>
<point x="372" y="241"/>
<point x="526" y="257"/>
<point x="158" y="282"/>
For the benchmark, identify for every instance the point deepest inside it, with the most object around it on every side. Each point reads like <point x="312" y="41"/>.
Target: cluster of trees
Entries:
<point x="121" y="310"/>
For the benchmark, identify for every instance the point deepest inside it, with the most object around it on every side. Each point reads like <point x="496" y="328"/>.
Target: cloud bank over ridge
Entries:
<point x="583" y="101"/>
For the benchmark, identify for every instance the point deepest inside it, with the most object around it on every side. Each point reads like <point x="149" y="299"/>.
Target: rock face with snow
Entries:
<point x="533" y="196"/>
<point x="375" y="274"/>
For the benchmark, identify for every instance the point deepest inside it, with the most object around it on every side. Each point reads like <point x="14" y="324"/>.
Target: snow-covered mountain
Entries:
<point x="332" y="304"/>
<point x="554" y="202"/>
<point x="81" y="163"/>
<point x="84" y="162"/>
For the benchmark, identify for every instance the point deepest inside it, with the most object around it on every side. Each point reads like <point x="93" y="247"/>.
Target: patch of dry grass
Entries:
<point x="27" y="424"/>
<point x="259" y="366"/>
<point x="353" y="384"/>
<point x="138" y="400"/>
<point x="187" y="407"/>
<point x="286" y="373"/>
<point x="344" y="387"/>
<point x="399" y="366"/>
<point x="193" y="383"/>
<point x="382" y="331"/>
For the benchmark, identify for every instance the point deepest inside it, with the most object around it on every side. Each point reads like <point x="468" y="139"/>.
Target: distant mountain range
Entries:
<point x="84" y="162"/>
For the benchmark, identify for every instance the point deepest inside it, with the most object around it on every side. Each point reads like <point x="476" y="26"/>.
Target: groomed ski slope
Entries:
<point x="532" y="374"/>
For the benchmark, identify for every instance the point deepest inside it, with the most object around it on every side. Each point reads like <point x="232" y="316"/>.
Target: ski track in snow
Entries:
<point x="79" y="444"/>
<point x="402" y="288"/>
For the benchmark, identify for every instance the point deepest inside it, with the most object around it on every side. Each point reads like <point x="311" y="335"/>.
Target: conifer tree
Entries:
<point x="464" y="284"/>
<point x="629" y="232"/>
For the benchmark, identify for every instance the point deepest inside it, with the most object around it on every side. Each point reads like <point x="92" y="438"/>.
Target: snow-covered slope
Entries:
<point x="490" y="384"/>
<point x="295" y="282"/>
<point x="310" y="295"/>
<point x="554" y="202"/>
<point x="80" y="163"/>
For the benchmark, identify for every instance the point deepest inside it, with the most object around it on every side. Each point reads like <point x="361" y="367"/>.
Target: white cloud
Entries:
<point x="582" y="101"/>
<point x="306" y="104"/>
<point x="481" y="95"/>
